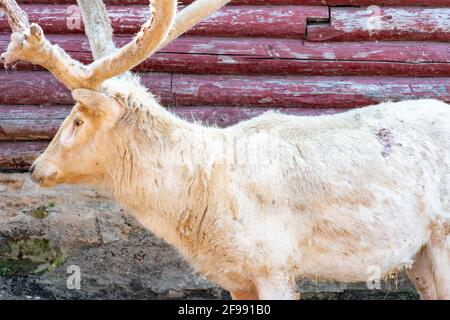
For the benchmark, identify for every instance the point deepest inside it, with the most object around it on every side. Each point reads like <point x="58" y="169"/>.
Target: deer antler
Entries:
<point x="28" y="43"/>
<point x="18" y="20"/>
<point x="97" y="27"/>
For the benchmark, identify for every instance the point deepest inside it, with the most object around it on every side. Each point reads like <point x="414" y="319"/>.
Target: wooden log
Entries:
<point x="258" y="21"/>
<point x="31" y="122"/>
<point x="384" y="23"/>
<point x="18" y="156"/>
<point x="201" y="55"/>
<point x="278" y="2"/>
<point x="42" y="122"/>
<point x="306" y="92"/>
<point x="40" y="88"/>
<point x="227" y="116"/>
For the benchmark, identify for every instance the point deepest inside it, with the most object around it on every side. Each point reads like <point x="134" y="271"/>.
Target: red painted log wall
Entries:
<point x="384" y="23"/>
<point x="252" y="21"/>
<point x="245" y="56"/>
<point x="40" y="88"/>
<point x="303" y="57"/>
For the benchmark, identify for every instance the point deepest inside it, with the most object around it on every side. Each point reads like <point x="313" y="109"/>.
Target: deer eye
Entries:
<point x="77" y="122"/>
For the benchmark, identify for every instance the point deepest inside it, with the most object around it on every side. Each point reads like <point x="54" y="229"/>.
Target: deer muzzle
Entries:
<point x="43" y="174"/>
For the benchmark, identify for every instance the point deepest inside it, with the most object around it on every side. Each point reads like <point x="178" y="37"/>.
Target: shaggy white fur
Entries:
<point x="257" y="205"/>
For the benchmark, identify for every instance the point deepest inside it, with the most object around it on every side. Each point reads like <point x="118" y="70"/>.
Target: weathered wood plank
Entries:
<point x="18" y="155"/>
<point x="260" y="21"/>
<point x="390" y="58"/>
<point x="204" y="55"/>
<point x="278" y="2"/>
<point x="307" y="92"/>
<point x="41" y="88"/>
<point x="38" y="88"/>
<point x="31" y="122"/>
<point x="42" y="122"/>
<point x="227" y="116"/>
<point x="384" y="23"/>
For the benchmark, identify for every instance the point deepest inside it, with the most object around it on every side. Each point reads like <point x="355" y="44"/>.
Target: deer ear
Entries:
<point x="99" y="102"/>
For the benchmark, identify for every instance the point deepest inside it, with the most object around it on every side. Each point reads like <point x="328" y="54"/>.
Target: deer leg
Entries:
<point x="421" y="274"/>
<point x="439" y="253"/>
<point x="277" y="288"/>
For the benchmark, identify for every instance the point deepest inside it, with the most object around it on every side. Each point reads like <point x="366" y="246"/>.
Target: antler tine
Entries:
<point x="153" y="37"/>
<point x="28" y="43"/>
<point x="147" y="42"/>
<point x="191" y="15"/>
<point x="18" y="19"/>
<point x="97" y="27"/>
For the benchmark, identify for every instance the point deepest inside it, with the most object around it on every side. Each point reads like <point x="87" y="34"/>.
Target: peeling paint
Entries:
<point x="408" y="23"/>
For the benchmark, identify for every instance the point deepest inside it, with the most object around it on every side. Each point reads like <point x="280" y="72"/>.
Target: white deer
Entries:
<point x="255" y="206"/>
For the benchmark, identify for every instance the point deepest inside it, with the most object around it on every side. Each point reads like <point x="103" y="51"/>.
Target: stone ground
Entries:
<point x="45" y="234"/>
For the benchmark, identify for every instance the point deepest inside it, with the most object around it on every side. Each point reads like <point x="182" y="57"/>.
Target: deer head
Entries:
<point x="78" y="152"/>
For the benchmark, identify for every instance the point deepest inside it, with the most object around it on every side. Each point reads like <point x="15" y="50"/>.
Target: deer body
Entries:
<point x="258" y="205"/>
<point x="326" y="198"/>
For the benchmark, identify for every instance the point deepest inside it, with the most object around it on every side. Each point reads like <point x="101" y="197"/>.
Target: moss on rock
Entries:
<point x="41" y="212"/>
<point x="27" y="256"/>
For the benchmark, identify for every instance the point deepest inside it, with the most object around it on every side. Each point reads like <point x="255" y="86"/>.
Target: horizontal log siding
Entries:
<point x="301" y="57"/>
<point x="252" y="21"/>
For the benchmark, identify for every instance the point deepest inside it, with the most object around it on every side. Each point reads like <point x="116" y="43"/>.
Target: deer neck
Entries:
<point x="155" y="174"/>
